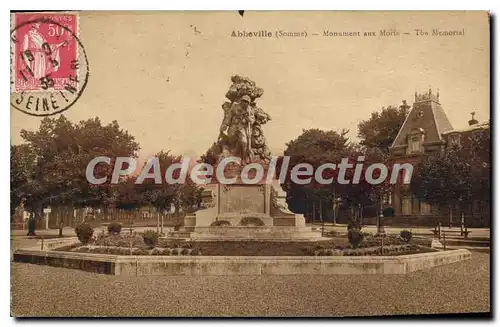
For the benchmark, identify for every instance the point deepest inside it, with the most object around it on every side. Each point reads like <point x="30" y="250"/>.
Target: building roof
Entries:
<point x="482" y="125"/>
<point x="427" y="114"/>
<point x="442" y="123"/>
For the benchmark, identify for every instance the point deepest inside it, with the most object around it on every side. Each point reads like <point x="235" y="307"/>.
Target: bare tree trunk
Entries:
<point x="161" y="228"/>
<point x="61" y="223"/>
<point x="105" y="212"/>
<point x="360" y="214"/>
<point x="451" y="215"/>
<point x="334" y="209"/>
<point x="157" y="221"/>
<point x="321" y="217"/>
<point x="314" y="211"/>
<point x="481" y="213"/>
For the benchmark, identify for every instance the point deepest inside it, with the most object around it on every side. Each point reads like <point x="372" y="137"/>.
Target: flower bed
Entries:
<point x="136" y="251"/>
<point x="148" y="244"/>
<point x="376" y="250"/>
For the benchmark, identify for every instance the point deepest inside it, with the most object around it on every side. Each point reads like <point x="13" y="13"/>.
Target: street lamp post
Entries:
<point x="380" y="228"/>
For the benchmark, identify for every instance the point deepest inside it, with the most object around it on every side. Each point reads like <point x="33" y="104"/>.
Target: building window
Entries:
<point x="425" y="208"/>
<point x="477" y="136"/>
<point x="415" y="141"/>
<point x="454" y="140"/>
<point x="406" y="205"/>
<point x="415" y="144"/>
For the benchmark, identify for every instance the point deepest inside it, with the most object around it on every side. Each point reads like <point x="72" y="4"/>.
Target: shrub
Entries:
<point x="114" y="228"/>
<point x="331" y="233"/>
<point x="405" y="235"/>
<point x="196" y="251"/>
<point x="307" y="251"/>
<point x="221" y="223"/>
<point x="84" y="233"/>
<point x="251" y="221"/>
<point x="388" y="212"/>
<point x="176" y="251"/>
<point x="83" y="249"/>
<point x="139" y="252"/>
<point x="326" y="252"/>
<point x="127" y="241"/>
<point x="166" y="251"/>
<point x="155" y="251"/>
<point x="122" y="251"/>
<point x="392" y="240"/>
<point x="353" y="225"/>
<point x="355" y="237"/>
<point x="150" y="237"/>
<point x="369" y="241"/>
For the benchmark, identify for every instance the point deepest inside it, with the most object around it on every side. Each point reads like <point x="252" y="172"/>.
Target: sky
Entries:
<point x="163" y="75"/>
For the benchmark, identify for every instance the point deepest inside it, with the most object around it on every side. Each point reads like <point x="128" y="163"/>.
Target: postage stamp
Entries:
<point x="49" y="66"/>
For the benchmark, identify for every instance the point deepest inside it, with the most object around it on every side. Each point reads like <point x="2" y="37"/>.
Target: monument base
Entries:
<point x="266" y="233"/>
<point x="247" y="212"/>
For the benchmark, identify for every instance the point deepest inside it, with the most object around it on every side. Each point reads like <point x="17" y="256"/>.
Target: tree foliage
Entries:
<point x="318" y="147"/>
<point x="314" y="147"/>
<point x="54" y="158"/>
<point x="22" y="174"/>
<point x="382" y="128"/>
<point x="458" y="175"/>
<point x="444" y="178"/>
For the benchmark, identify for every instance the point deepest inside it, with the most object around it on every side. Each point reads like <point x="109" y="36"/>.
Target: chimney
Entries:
<point x="473" y="121"/>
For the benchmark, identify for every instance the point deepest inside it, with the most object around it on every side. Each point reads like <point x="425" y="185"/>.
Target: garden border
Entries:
<point x="138" y="265"/>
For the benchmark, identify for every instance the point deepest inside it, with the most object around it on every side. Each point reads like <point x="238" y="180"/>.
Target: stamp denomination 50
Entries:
<point x="49" y="66"/>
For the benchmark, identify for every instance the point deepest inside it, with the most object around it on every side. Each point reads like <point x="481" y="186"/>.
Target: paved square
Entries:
<point x="454" y="288"/>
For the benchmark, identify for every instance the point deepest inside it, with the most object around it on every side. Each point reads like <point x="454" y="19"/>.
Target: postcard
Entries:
<point x="250" y="163"/>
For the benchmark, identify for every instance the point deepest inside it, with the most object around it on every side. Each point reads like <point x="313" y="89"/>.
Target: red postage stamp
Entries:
<point x="45" y="51"/>
<point x="49" y="65"/>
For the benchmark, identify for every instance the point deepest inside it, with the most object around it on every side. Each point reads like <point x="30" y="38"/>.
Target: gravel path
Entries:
<point x="49" y="291"/>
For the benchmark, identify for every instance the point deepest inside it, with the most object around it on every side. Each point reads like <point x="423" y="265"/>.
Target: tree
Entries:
<point x="161" y="196"/>
<point x="318" y="147"/>
<point x="444" y="178"/>
<point x="382" y="128"/>
<point x="481" y="164"/>
<point x="477" y="149"/>
<point x="22" y="163"/>
<point x="184" y="197"/>
<point x="315" y="147"/>
<point x="127" y="196"/>
<point x="188" y="197"/>
<point x="62" y="151"/>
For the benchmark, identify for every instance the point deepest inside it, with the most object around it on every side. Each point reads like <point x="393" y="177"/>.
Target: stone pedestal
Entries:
<point x="233" y="203"/>
<point x="248" y="212"/>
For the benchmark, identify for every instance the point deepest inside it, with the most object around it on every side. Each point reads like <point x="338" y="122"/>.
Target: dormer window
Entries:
<point x="415" y="144"/>
<point x="415" y="141"/>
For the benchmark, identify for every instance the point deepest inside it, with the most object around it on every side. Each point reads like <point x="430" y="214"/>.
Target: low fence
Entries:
<point x="168" y="221"/>
<point x="426" y="221"/>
